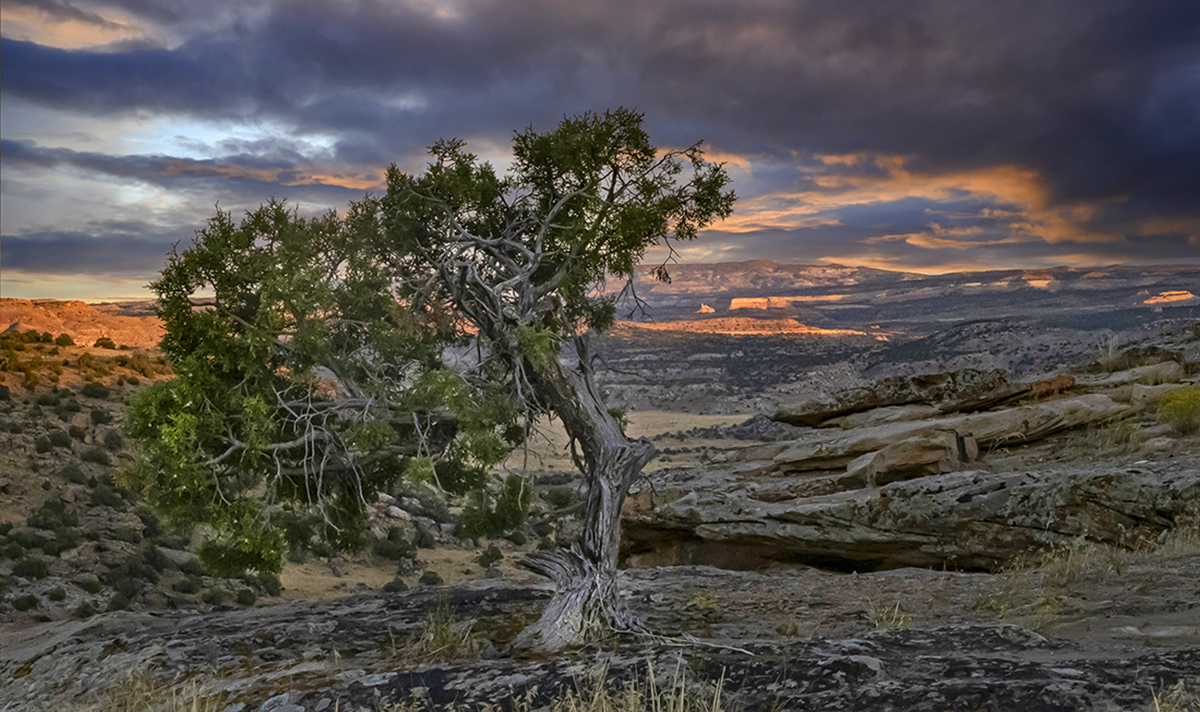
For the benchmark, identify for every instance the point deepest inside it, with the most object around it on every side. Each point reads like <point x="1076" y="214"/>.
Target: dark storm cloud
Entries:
<point x="107" y="252"/>
<point x="275" y="166"/>
<point x="1098" y="100"/>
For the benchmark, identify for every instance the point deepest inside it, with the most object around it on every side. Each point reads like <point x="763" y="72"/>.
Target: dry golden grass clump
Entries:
<point x="1181" y="410"/>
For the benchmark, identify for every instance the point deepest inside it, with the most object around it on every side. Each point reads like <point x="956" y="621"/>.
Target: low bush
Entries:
<point x="73" y="474"/>
<point x="95" y="389"/>
<point x="31" y="568"/>
<point x="213" y="597"/>
<point x="53" y="515"/>
<point x="105" y="495"/>
<point x="394" y="546"/>
<point x="246" y="597"/>
<point x="105" y="343"/>
<point x="60" y="438"/>
<point x="87" y="609"/>
<point x="57" y="593"/>
<point x="96" y="455"/>
<point x="1181" y="410"/>
<point x="48" y="399"/>
<point x="396" y="585"/>
<point x="489" y="556"/>
<point x="114" y="441"/>
<point x="64" y="340"/>
<point x="101" y="416"/>
<point x="26" y="602"/>
<point x="77" y="432"/>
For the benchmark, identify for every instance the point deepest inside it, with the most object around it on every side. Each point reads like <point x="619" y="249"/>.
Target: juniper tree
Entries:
<point x="319" y="371"/>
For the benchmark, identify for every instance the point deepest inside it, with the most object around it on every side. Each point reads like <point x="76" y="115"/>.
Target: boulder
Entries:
<point x="970" y="519"/>
<point x="824" y="450"/>
<point x="953" y="391"/>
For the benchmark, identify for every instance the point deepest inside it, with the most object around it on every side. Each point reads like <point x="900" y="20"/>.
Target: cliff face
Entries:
<point x="129" y="324"/>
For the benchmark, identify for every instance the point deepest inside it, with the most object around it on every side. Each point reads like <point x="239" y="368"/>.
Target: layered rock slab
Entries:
<point x="971" y="519"/>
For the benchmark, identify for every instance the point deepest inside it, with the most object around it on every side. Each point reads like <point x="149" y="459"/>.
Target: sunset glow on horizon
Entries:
<point x="925" y="137"/>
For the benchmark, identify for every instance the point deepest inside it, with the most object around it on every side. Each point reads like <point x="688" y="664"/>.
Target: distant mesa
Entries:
<point x="743" y="326"/>
<point x="1167" y="297"/>
<point x="705" y="309"/>
<point x="780" y="302"/>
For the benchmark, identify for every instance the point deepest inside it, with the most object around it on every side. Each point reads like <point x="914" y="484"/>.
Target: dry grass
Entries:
<point x="1180" y="697"/>
<point x="442" y="638"/>
<point x="885" y="617"/>
<point x="139" y="693"/>
<point x="1036" y="584"/>
<point x="1111" y="439"/>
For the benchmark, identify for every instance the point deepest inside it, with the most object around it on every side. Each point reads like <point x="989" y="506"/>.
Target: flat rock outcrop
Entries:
<point x="971" y="519"/>
<point x="344" y="654"/>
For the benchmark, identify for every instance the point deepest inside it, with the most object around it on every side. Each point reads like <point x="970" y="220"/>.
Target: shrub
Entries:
<point x="31" y="568"/>
<point x="193" y="567"/>
<point x="60" y="438"/>
<point x="246" y="597"/>
<point x="5" y="528"/>
<point x="65" y="540"/>
<point x="57" y="594"/>
<point x="27" y="539"/>
<point x="64" y="340"/>
<point x="487" y="515"/>
<point x="396" y="585"/>
<point x="105" y="343"/>
<point x="5" y="393"/>
<point x="95" y="389"/>
<point x="188" y="584"/>
<point x="77" y="432"/>
<point x="73" y="474"/>
<point x="26" y="602"/>
<point x="268" y="583"/>
<point x="1181" y="410"/>
<point x="118" y="602"/>
<point x="490" y="556"/>
<point x="87" y="609"/>
<point x="431" y="578"/>
<point x="104" y="495"/>
<point x="49" y="399"/>
<point x="394" y="546"/>
<point x="43" y="444"/>
<point x="559" y="498"/>
<point x="114" y="441"/>
<point x="96" y="455"/>
<point x="53" y="515"/>
<point x="11" y="550"/>
<point x="101" y="416"/>
<point x="213" y="597"/>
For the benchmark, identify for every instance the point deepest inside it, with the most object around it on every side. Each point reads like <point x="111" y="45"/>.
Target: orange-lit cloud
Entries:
<point x="1020" y="194"/>
<point x="74" y="30"/>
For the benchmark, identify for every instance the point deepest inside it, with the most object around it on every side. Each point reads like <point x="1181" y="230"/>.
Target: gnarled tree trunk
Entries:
<point x="586" y="599"/>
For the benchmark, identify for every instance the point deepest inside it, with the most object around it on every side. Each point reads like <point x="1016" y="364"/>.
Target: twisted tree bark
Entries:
<point x="586" y="600"/>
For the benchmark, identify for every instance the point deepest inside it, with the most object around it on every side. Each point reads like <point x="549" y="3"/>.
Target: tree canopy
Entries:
<point x="420" y="334"/>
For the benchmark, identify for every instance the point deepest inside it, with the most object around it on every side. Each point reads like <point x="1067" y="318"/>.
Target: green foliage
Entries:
<point x="64" y="340"/>
<point x="31" y="568"/>
<point x="560" y="498"/>
<point x="57" y="593"/>
<point x="43" y="444"/>
<point x="26" y="602"/>
<point x="101" y="416"/>
<point x="96" y="455"/>
<point x="313" y="376"/>
<point x="95" y="389"/>
<point x="53" y="515"/>
<point x="60" y="438"/>
<point x="489" y="556"/>
<point x="1181" y="410"/>
<point x="488" y="515"/>
<point x="104" y="343"/>
<point x="246" y="597"/>
<point x="87" y="609"/>
<point x="395" y="546"/>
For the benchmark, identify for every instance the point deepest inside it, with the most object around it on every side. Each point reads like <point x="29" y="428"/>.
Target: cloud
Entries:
<point x="904" y="134"/>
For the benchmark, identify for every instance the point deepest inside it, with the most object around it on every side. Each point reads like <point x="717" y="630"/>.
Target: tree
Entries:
<point x="319" y="371"/>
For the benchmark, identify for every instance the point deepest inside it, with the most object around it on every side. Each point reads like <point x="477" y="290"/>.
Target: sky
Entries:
<point x="927" y="136"/>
